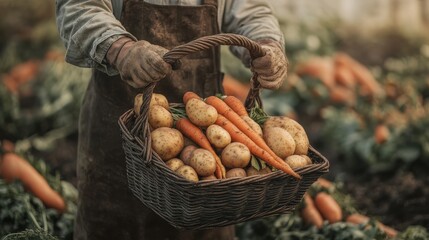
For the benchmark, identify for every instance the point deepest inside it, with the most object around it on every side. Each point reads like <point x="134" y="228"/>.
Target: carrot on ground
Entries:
<point x="189" y="95"/>
<point x="328" y="207"/>
<point x="13" y="167"/>
<point x="357" y="218"/>
<point x="236" y="105"/>
<point x="223" y="109"/>
<point x="238" y="136"/>
<point x="309" y="212"/>
<point x="194" y="133"/>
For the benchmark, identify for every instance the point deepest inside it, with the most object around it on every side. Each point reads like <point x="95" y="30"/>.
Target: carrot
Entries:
<point x="357" y="218"/>
<point x="14" y="167"/>
<point x="324" y="183"/>
<point x="362" y="75"/>
<point x="236" y="105"/>
<point x="189" y="95"/>
<point x="381" y="134"/>
<point x="194" y="133"/>
<point x="238" y="122"/>
<point x="235" y="88"/>
<point x="328" y="207"/>
<point x="344" y="76"/>
<point x="238" y="136"/>
<point x="309" y="212"/>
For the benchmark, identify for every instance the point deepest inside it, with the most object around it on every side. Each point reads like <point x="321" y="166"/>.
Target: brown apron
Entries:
<point x="106" y="208"/>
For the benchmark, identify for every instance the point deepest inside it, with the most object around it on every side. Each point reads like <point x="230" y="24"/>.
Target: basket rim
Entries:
<point x="322" y="167"/>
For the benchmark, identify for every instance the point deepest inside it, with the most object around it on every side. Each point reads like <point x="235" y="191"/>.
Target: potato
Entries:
<point x="253" y="125"/>
<point x="167" y="142"/>
<point x="308" y="159"/>
<point x="211" y="177"/>
<point x="188" y="173"/>
<point x="174" y="164"/>
<point x="236" y="172"/>
<point x="200" y="113"/>
<point x="296" y="161"/>
<point x="203" y="162"/>
<point x="185" y="155"/>
<point x="159" y="117"/>
<point x="251" y="171"/>
<point x="159" y="99"/>
<point x="295" y="130"/>
<point x="218" y="136"/>
<point x="280" y="141"/>
<point x="235" y="155"/>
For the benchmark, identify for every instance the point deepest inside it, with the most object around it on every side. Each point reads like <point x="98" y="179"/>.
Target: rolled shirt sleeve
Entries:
<point x="253" y="19"/>
<point x="88" y="29"/>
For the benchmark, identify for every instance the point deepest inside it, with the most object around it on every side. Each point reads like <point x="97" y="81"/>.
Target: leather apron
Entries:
<point x="106" y="207"/>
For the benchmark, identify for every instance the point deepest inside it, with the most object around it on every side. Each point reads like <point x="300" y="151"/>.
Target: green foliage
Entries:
<point x="52" y="103"/>
<point x="26" y="216"/>
<point x="414" y="233"/>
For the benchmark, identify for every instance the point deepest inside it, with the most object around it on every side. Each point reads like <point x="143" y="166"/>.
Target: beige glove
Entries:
<point x="271" y="68"/>
<point x="139" y="63"/>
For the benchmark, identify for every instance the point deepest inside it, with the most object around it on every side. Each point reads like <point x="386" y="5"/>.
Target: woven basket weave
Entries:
<point x="212" y="203"/>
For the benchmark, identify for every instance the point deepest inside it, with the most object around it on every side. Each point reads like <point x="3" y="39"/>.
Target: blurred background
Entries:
<point x="358" y="83"/>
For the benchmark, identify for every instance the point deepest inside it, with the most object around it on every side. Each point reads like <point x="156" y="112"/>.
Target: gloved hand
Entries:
<point x="139" y="63"/>
<point x="271" y="68"/>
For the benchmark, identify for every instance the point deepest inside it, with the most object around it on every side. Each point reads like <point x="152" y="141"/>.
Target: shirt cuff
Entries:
<point x="102" y="46"/>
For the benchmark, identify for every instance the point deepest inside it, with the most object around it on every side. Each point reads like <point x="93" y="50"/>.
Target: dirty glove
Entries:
<point x="271" y="68"/>
<point x="139" y="63"/>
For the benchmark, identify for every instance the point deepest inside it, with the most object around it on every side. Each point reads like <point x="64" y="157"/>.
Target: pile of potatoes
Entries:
<point x="283" y="135"/>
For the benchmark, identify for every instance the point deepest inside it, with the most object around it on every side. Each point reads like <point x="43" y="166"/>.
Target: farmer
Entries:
<point x="124" y="41"/>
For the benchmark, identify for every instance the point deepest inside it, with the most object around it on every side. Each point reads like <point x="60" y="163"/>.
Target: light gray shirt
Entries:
<point x="89" y="27"/>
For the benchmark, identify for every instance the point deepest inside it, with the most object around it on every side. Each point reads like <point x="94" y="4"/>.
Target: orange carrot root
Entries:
<point x="194" y="133"/>
<point x="236" y="105"/>
<point x="189" y="95"/>
<point x="239" y="123"/>
<point x="14" y="167"/>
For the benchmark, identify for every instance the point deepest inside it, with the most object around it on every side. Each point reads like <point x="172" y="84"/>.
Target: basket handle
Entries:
<point x="174" y="55"/>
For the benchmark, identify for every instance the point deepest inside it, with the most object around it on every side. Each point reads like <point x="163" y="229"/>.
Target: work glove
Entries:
<point x="271" y="69"/>
<point x="138" y="62"/>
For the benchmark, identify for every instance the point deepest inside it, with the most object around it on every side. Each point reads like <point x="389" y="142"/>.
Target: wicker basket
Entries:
<point x="212" y="203"/>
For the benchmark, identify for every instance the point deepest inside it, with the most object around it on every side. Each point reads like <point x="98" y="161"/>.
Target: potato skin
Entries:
<point x="253" y="125"/>
<point x="200" y="113"/>
<point x="159" y="99"/>
<point x="218" y="136"/>
<point x="295" y="130"/>
<point x="309" y="161"/>
<point x="203" y="162"/>
<point x="211" y="177"/>
<point x="159" y="117"/>
<point x="280" y="141"/>
<point x="251" y="171"/>
<point x="188" y="173"/>
<point x="186" y="153"/>
<point x="236" y="172"/>
<point x="296" y="161"/>
<point x="167" y="142"/>
<point x="174" y="164"/>
<point x="156" y="99"/>
<point x="236" y="155"/>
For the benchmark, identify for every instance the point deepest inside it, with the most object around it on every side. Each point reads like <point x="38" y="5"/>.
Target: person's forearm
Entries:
<point x="88" y="28"/>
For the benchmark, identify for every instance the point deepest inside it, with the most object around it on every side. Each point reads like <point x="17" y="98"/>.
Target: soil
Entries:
<point x="399" y="202"/>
